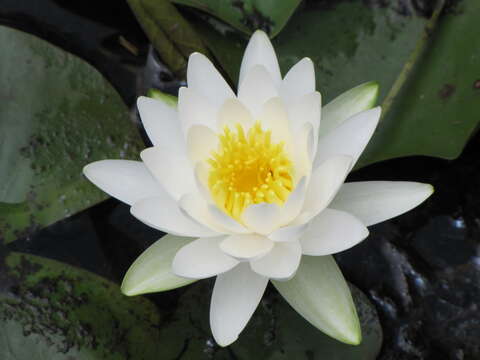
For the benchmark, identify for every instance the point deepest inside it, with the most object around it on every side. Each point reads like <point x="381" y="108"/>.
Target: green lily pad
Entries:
<point x="50" y="310"/>
<point x="275" y="332"/>
<point x="428" y="75"/>
<point x="248" y="15"/>
<point x="171" y="35"/>
<point x="58" y="114"/>
<point x="437" y="109"/>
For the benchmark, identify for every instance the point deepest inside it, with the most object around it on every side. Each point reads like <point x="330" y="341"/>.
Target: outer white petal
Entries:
<point x="233" y="112"/>
<point x="195" y="109"/>
<point x="321" y="295"/>
<point x="163" y="213"/>
<point x="235" y="297"/>
<point x="201" y="259"/>
<point x="351" y="102"/>
<point x="172" y="170"/>
<point x="126" y="180"/>
<point x="161" y="123"/>
<point x="152" y="270"/>
<point x="350" y="138"/>
<point x="262" y="218"/>
<point x="299" y="80"/>
<point x="325" y="182"/>
<point x="280" y="263"/>
<point x="206" y="80"/>
<point x="256" y="89"/>
<point x="246" y="246"/>
<point x="260" y="51"/>
<point x="332" y="231"/>
<point x="201" y="141"/>
<point x="376" y="201"/>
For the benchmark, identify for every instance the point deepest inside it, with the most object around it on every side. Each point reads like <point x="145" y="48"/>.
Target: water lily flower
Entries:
<point x="250" y="188"/>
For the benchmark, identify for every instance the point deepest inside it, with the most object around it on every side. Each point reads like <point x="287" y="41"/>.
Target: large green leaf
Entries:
<point x="248" y="15"/>
<point x="275" y="332"/>
<point x="169" y="32"/>
<point x="58" y="114"/>
<point x="52" y="311"/>
<point x="428" y="74"/>
<point x="437" y="106"/>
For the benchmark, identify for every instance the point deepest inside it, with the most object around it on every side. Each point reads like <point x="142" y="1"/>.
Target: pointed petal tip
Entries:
<point x="224" y="341"/>
<point x="90" y="169"/>
<point x="87" y="169"/>
<point x="352" y="338"/>
<point x="141" y="100"/>
<point x="370" y="89"/>
<point x="260" y="33"/>
<point x="129" y="291"/>
<point x="429" y="190"/>
<point x="194" y="55"/>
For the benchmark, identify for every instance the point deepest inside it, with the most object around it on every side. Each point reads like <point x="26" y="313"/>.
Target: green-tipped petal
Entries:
<point x="152" y="271"/>
<point x="168" y="99"/>
<point x="321" y="295"/>
<point x="351" y="102"/>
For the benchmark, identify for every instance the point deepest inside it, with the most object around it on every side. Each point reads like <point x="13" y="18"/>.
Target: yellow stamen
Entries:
<point x="248" y="168"/>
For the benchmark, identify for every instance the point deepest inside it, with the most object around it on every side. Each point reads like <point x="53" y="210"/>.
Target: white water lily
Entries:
<point x="246" y="185"/>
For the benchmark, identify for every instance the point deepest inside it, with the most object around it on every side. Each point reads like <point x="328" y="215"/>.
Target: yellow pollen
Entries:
<point x="249" y="169"/>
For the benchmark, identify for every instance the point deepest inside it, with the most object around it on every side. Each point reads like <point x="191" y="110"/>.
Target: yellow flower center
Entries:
<point x="249" y="169"/>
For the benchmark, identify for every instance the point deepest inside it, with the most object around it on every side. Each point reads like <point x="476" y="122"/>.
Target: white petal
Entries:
<point x="289" y="233"/>
<point x="201" y="141"/>
<point x="305" y="109"/>
<point x="325" y="182"/>
<point x="350" y="138"/>
<point x="246" y="246"/>
<point x="294" y="203"/>
<point x="233" y="112"/>
<point x="206" y="80"/>
<point x="256" y="89"/>
<point x="195" y="207"/>
<point x="161" y="123"/>
<point x="260" y="51"/>
<point x="163" y="213"/>
<point x="152" y="270"/>
<point x="304" y="150"/>
<point x="281" y="263"/>
<point x="376" y="201"/>
<point x="201" y="259"/>
<point x="351" y="102"/>
<point x="274" y="117"/>
<point x="194" y="109"/>
<point x="201" y="180"/>
<point x="332" y="231"/>
<point x="125" y="180"/>
<point x="299" y="80"/>
<point x="262" y="218"/>
<point x="227" y="222"/>
<point x="172" y="170"/>
<point x="321" y="295"/>
<point x="235" y="297"/>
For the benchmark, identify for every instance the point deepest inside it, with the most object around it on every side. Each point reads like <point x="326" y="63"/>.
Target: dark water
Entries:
<point x="421" y="270"/>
